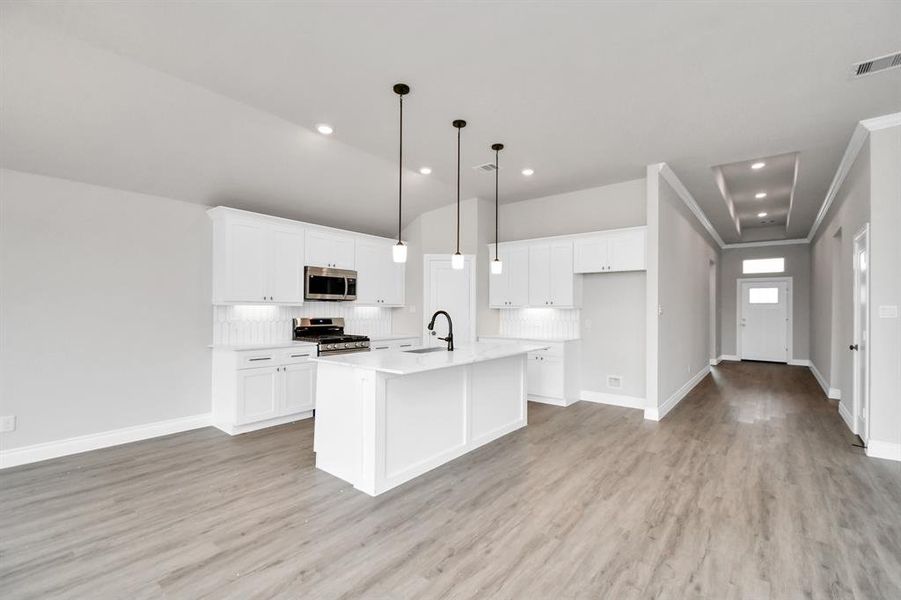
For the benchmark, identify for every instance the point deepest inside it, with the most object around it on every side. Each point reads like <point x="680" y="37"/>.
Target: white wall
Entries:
<point x="797" y="266"/>
<point x="680" y="255"/>
<point x="104" y="308"/>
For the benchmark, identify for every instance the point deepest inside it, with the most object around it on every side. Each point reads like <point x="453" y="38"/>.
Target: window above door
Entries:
<point x="754" y="266"/>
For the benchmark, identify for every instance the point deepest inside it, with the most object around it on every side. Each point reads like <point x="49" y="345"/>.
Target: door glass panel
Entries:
<point x="768" y="295"/>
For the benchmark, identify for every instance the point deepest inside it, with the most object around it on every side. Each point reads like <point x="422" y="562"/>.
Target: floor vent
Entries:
<point x="875" y="65"/>
<point x="486" y="168"/>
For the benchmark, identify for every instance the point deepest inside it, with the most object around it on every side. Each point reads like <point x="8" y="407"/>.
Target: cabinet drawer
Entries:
<point x="254" y="360"/>
<point x="296" y="355"/>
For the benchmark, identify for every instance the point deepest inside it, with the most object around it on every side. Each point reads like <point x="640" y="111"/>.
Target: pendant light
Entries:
<point x="457" y="258"/>
<point x="399" y="250"/>
<point x="497" y="267"/>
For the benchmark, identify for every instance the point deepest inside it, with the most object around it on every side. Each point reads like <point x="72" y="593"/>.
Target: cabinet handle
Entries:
<point x="259" y="358"/>
<point x="299" y="355"/>
<point x="405" y="345"/>
<point x="381" y="347"/>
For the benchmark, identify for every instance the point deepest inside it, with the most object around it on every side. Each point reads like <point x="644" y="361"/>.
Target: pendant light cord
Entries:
<point x="497" y="168"/>
<point x="400" y="170"/>
<point x="458" y="190"/>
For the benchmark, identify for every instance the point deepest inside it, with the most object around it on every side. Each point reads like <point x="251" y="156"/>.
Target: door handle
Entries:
<point x="853" y="347"/>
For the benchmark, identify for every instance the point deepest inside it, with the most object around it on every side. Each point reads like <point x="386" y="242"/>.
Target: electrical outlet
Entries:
<point x="7" y="424"/>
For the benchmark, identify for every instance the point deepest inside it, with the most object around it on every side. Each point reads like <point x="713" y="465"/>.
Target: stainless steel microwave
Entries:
<point x="321" y="283"/>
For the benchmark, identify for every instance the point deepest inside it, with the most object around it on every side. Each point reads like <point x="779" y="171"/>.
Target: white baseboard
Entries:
<point x="834" y="393"/>
<point x="819" y="377"/>
<point x="887" y="450"/>
<point x="847" y="417"/>
<point x="656" y="413"/>
<point x="714" y="362"/>
<point x="104" y="439"/>
<point x="612" y="399"/>
<point x="799" y="362"/>
<point x="232" y="429"/>
<point x="730" y="357"/>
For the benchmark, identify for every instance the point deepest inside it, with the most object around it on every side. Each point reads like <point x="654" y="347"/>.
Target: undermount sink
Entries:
<point x="426" y="350"/>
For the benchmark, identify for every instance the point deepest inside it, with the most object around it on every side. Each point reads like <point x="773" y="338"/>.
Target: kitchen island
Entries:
<point x="385" y="418"/>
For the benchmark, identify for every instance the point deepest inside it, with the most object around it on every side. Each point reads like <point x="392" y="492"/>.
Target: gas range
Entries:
<point x="328" y="334"/>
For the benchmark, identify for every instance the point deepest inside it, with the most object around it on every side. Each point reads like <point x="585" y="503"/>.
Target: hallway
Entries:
<point x="750" y="488"/>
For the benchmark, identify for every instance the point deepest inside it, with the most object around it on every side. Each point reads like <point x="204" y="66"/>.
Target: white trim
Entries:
<point x="861" y="132"/>
<point x="104" y="439"/>
<point x="882" y="122"/>
<point x="834" y="393"/>
<point x="790" y="300"/>
<point x="846" y="416"/>
<point x="689" y="201"/>
<point x="654" y="413"/>
<point x="565" y="236"/>
<point x="764" y="244"/>
<point x="860" y="405"/>
<point x="729" y="357"/>
<point x="236" y="429"/>
<point x="799" y="362"/>
<point x="612" y="399"/>
<point x="886" y="450"/>
<point x="714" y="362"/>
<point x="819" y="377"/>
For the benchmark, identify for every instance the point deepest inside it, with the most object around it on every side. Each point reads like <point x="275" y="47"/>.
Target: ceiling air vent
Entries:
<point x="875" y="65"/>
<point x="486" y="168"/>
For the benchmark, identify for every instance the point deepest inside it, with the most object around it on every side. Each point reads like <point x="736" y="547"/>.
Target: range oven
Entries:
<point x="321" y="283"/>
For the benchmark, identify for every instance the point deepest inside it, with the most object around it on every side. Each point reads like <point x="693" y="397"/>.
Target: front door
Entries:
<point x="763" y="321"/>
<point x="860" y="344"/>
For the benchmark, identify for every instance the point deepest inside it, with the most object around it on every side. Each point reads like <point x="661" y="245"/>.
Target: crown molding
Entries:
<point x="765" y="243"/>
<point x="883" y="122"/>
<point x="667" y="173"/>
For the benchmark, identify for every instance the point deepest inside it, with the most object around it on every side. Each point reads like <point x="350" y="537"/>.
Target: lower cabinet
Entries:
<point x="257" y="389"/>
<point x="553" y="375"/>
<point x="394" y="344"/>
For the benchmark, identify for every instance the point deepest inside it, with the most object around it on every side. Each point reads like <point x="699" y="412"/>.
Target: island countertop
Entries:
<point x="399" y="362"/>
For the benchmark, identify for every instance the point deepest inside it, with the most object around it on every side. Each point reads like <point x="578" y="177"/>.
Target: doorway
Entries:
<point x="764" y="327"/>
<point x="860" y="345"/>
<point x="453" y="291"/>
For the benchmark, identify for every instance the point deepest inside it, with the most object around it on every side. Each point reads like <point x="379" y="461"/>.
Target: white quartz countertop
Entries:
<point x="271" y="346"/>
<point x="399" y="362"/>
<point x="524" y="339"/>
<point x="388" y="338"/>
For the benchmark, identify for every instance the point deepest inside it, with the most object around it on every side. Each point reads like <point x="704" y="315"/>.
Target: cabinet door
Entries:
<point x="591" y="254"/>
<point x="286" y="264"/>
<point x="539" y="275"/>
<point x="516" y="265"/>
<point x="245" y="265"/>
<point x="258" y="394"/>
<point x="394" y="285"/>
<point x="545" y="375"/>
<point x="300" y="388"/>
<point x="325" y="249"/>
<point x="627" y="251"/>
<point x="562" y="280"/>
<point x="371" y="258"/>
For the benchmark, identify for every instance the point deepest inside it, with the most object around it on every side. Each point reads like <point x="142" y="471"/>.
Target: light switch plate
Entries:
<point x="7" y="424"/>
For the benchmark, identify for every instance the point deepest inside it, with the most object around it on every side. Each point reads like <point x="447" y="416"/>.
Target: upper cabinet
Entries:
<point x="328" y="249"/>
<point x="380" y="280"/>
<point x="510" y="288"/>
<point x="547" y="272"/>
<point x="256" y="261"/>
<point x="609" y="251"/>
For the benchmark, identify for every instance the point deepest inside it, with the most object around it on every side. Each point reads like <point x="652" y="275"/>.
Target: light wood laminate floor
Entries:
<point x="750" y="488"/>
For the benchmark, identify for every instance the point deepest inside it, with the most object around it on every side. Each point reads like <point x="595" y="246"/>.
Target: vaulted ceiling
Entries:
<point x="217" y="102"/>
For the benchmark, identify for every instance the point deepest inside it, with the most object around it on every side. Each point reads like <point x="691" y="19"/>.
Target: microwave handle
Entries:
<point x="346" y="288"/>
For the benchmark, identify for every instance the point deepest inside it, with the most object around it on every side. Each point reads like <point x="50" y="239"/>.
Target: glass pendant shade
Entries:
<point x="457" y="261"/>
<point x="497" y="267"/>
<point x="399" y="252"/>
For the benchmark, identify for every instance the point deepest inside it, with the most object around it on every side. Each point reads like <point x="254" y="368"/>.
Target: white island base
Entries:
<point x="383" y="420"/>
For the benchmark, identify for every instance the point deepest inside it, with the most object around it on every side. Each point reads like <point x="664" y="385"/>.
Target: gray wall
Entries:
<point x="104" y="308"/>
<point x="797" y="266"/>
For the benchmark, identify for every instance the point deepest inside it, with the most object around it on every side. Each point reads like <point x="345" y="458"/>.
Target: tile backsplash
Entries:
<point x="540" y="323"/>
<point x="237" y="325"/>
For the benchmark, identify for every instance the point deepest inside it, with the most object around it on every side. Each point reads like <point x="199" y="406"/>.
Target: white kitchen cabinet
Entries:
<point x="255" y="260"/>
<point x="553" y="374"/>
<point x="380" y="280"/>
<point x="394" y="344"/>
<point x="328" y="249"/>
<point x="551" y="279"/>
<point x="611" y="251"/>
<point x="253" y="389"/>
<point x="510" y="288"/>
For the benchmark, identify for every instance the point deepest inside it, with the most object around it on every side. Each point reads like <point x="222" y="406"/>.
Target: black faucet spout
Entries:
<point x="450" y="329"/>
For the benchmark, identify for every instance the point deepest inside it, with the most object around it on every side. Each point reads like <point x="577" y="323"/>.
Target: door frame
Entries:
<point x="790" y="320"/>
<point x="427" y="260"/>
<point x="862" y="235"/>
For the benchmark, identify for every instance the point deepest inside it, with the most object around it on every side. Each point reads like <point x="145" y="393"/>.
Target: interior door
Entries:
<point x="860" y="345"/>
<point x="453" y="291"/>
<point x="763" y="322"/>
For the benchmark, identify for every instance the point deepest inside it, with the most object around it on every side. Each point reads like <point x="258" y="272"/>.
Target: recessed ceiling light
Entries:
<point x="758" y="165"/>
<point x="527" y="172"/>
<point x="324" y="129"/>
<point x="425" y="170"/>
<point x="763" y="214"/>
<point x="760" y="195"/>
